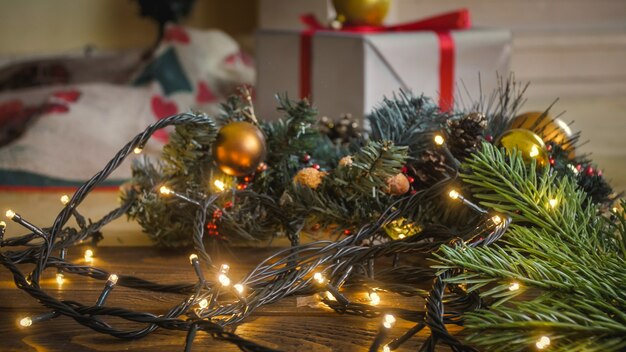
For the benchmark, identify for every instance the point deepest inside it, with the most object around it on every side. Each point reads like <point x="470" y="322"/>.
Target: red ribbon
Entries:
<point x="441" y="24"/>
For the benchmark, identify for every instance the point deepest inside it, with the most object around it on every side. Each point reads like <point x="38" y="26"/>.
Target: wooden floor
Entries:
<point x="282" y="325"/>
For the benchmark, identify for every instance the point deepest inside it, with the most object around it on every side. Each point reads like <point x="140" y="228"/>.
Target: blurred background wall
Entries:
<point x="59" y="26"/>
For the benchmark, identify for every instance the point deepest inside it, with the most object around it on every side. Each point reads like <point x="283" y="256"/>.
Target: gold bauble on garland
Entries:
<point x="550" y="129"/>
<point x="528" y="143"/>
<point x="362" y="12"/>
<point x="239" y="148"/>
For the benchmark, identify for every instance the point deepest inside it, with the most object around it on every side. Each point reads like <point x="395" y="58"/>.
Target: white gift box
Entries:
<point x="351" y="72"/>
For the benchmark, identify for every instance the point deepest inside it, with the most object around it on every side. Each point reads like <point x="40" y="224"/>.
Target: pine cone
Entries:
<point x="465" y="134"/>
<point x="430" y="169"/>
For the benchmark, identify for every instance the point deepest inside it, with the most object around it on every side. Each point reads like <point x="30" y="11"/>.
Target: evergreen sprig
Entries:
<point x="567" y="259"/>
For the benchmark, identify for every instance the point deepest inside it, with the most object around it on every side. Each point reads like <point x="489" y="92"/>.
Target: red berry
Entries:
<point x="489" y="138"/>
<point x="346" y="232"/>
<point x="599" y="173"/>
<point x="405" y="169"/>
<point x="411" y="179"/>
<point x="306" y="158"/>
<point x="552" y="161"/>
<point x="589" y="171"/>
<point x="549" y="147"/>
<point x="316" y="166"/>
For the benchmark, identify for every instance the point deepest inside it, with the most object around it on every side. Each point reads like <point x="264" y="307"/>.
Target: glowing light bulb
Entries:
<point x="386" y="348"/>
<point x="224" y="268"/>
<point x="514" y="286"/>
<point x="26" y="322"/>
<point x="60" y="279"/>
<point x="224" y="280"/>
<point x="439" y="139"/>
<point x="534" y="151"/>
<point x="113" y="279"/>
<point x="496" y="219"/>
<point x="330" y="296"/>
<point x="219" y="185"/>
<point x="203" y="303"/>
<point x="239" y="288"/>
<point x="89" y="256"/>
<point x="374" y="298"/>
<point x="193" y="257"/>
<point x="389" y="321"/>
<point x="65" y="199"/>
<point x="165" y="191"/>
<point x="137" y="150"/>
<point x="10" y="214"/>
<point x="553" y="202"/>
<point x="3" y="224"/>
<point x="454" y="194"/>
<point x="543" y="342"/>
<point x="319" y="278"/>
<point x="401" y="236"/>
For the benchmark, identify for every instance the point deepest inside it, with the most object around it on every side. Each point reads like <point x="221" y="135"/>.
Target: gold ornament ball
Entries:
<point x="548" y="128"/>
<point x="398" y="185"/>
<point x="239" y="148"/>
<point x="310" y="177"/>
<point x="362" y="12"/>
<point x="528" y="143"/>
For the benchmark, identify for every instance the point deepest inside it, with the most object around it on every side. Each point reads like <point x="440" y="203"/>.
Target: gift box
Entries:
<point x="350" y="71"/>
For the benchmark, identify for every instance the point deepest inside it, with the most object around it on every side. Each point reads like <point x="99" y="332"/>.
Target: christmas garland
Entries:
<point x="499" y="200"/>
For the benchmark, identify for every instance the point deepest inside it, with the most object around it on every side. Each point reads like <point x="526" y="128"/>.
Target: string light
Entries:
<point x="224" y="268"/>
<point x="65" y="199"/>
<point x="88" y="256"/>
<point x="374" y="298"/>
<point x="514" y="286"/>
<point x="137" y="150"/>
<point x="553" y="202"/>
<point x="113" y="279"/>
<point x="192" y="258"/>
<point x="439" y="139"/>
<point x="389" y="321"/>
<point x="203" y="303"/>
<point x="108" y="287"/>
<point x="164" y="190"/>
<point x="10" y="214"/>
<point x="386" y="348"/>
<point x="60" y="279"/>
<point x="220" y="185"/>
<point x="496" y="219"/>
<point x="319" y="278"/>
<point x="543" y="342"/>
<point x="26" y="322"/>
<point x="401" y="236"/>
<point x="223" y="279"/>
<point x="330" y="296"/>
<point x="239" y="288"/>
<point x="454" y="194"/>
<point x="3" y="224"/>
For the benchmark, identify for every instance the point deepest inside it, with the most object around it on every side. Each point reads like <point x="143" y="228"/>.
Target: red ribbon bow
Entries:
<point x="440" y="24"/>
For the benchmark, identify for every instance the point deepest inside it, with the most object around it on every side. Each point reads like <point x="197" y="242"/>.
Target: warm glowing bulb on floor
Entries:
<point x="220" y="185"/>
<point x="330" y="296"/>
<point x="389" y="321"/>
<point x="89" y="256"/>
<point x="165" y="191"/>
<point x="239" y="288"/>
<point x="203" y="303"/>
<point x="192" y="258"/>
<point x="65" y="199"/>
<point x="3" y="224"/>
<point x="224" y="268"/>
<point x="113" y="279"/>
<point x="10" y="214"/>
<point x="60" y="279"/>
<point x="26" y="322"/>
<point x="374" y="298"/>
<point x="543" y="342"/>
<point x="439" y="139"/>
<point x="386" y="348"/>
<point x="223" y="279"/>
<point x="319" y="278"/>
<point x="137" y="150"/>
<point x="454" y="194"/>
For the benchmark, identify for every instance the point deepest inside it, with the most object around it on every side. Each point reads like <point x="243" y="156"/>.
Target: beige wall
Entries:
<point x="53" y="26"/>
